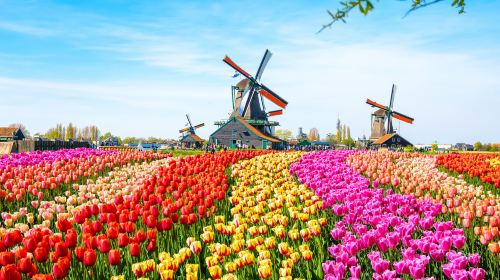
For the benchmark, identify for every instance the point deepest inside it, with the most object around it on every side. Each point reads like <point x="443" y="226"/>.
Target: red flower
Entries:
<point x="112" y="232"/>
<point x="59" y="271"/>
<point x="9" y="272"/>
<point x="104" y="245"/>
<point x="140" y="235"/>
<point x="63" y="225"/>
<point x="29" y="244"/>
<point x="135" y="249"/>
<point x="6" y="258"/>
<point x="165" y="224"/>
<point x="89" y="257"/>
<point x="21" y="253"/>
<point x="151" y="245"/>
<point x="114" y="257"/>
<point x="24" y="265"/>
<point x="122" y="239"/>
<point x="41" y="254"/>
<point x="151" y="221"/>
<point x="79" y="252"/>
<point x="61" y="249"/>
<point x="42" y="277"/>
<point x="97" y="226"/>
<point x="70" y="240"/>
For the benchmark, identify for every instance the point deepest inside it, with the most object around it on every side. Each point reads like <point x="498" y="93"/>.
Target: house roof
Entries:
<point x="195" y="137"/>
<point x="384" y="138"/>
<point x="8" y="131"/>
<point x="251" y="128"/>
<point x="258" y="132"/>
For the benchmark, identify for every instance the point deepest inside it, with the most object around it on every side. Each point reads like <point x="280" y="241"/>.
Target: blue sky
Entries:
<point x="136" y="67"/>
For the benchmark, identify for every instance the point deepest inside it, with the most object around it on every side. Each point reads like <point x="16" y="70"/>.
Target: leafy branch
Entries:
<point x="366" y="6"/>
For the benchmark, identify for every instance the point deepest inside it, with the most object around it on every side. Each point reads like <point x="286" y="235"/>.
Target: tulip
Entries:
<point x="135" y="249"/>
<point x="114" y="257"/>
<point x="89" y="257"/>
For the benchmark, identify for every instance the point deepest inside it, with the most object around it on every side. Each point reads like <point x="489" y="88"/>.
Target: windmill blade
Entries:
<point x="263" y="63"/>
<point x="393" y="92"/>
<point x="273" y="97"/>
<point x="184" y="130"/>
<point x="275" y="113"/>
<point x="199" y="125"/>
<point x="375" y="104"/>
<point x="236" y="67"/>
<point x="402" y="117"/>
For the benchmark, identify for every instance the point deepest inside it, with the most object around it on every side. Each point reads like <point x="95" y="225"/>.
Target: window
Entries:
<point x="399" y="140"/>
<point x="234" y="132"/>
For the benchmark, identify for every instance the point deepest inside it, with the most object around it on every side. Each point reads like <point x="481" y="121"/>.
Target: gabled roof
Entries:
<point x="251" y="128"/>
<point x="8" y="132"/>
<point x="384" y="138"/>
<point x="258" y="132"/>
<point x="195" y="137"/>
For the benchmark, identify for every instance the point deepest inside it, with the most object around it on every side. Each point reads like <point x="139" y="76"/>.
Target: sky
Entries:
<point x="135" y="68"/>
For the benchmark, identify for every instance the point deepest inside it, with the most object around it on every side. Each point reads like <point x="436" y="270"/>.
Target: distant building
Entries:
<point x="110" y="141"/>
<point x="191" y="141"/>
<point x="463" y="147"/>
<point x="11" y="133"/>
<point x="238" y="133"/>
<point x="392" y="140"/>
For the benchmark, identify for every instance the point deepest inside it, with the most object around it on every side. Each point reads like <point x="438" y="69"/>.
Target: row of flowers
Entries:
<point x="119" y="219"/>
<point x="380" y="233"/>
<point x="273" y="229"/>
<point x="417" y="175"/>
<point x="486" y="167"/>
<point x="35" y="173"/>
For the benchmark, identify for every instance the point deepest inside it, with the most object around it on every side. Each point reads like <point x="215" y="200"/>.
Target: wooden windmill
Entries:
<point x="189" y="139"/>
<point x="248" y="101"/>
<point x="385" y="114"/>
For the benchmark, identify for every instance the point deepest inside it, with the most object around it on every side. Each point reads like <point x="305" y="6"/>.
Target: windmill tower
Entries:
<point x="249" y="97"/>
<point x="249" y="110"/>
<point x="189" y="139"/>
<point x="381" y="120"/>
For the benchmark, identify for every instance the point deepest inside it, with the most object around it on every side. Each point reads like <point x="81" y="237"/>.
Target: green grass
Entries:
<point x="182" y="153"/>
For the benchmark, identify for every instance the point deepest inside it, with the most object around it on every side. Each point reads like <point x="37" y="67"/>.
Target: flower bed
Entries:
<point x="382" y="234"/>
<point x="484" y="167"/>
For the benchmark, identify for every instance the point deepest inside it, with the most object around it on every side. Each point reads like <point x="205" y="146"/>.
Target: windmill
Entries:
<point x="383" y="114"/>
<point x="249" y="94"/>
<point x="190" y="129"/>
<point x="188" y="136"/>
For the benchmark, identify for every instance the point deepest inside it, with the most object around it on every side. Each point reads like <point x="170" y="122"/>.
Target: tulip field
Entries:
<point x="124" y="214"/>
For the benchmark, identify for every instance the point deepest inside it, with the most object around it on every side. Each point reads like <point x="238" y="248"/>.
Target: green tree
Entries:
<point x="70" y="132"/>
<point x="478" y="146"/>
<point x="367" y="6"/>
<point x="284" y="134"/>
<point x="331" y="138"/>
<point x="434" y="147"/>
<point x="105" y="136"/>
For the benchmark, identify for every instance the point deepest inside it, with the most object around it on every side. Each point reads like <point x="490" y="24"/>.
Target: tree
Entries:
<point x="313" y="134"/>
<point x="105" y="136"/>
<point x="22" y="127"/>
<point x="70" y="132"/>
<point x="284" y="134"/>
<point x="478" y="146"/>
<point x="331" y="138"/>
<point x="434" y="147"/>
<point x="366" y="6"/>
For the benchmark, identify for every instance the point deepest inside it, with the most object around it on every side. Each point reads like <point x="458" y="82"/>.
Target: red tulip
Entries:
<point x="10" y="272"/>
<point x="70" y="240"/>
<point x="79" y="252"/>
<point x="41" y="254"/>
<point x="151" y="245"/>
<point x="112" y="232"/>
<point x="29" y="244"/>
<point x="123" y="239"/>
<point x="7" y="258"/>
<point x="24" y="265"/>
<point x="61" y="249"/>
<point x="135" y="249"/>
<point x="114" y="257"/>
<point x="21" y="253"/>
<point x="42" y="277"/>
<point x="89" y="257"/>
<point x="104" y="245"/>
<point x="59" y="271"/>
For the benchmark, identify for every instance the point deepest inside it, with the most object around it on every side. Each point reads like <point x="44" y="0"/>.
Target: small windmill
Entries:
<point x="248" y="102"/>
<point x="190" y="129"/>
<point x="383" y="114"/>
